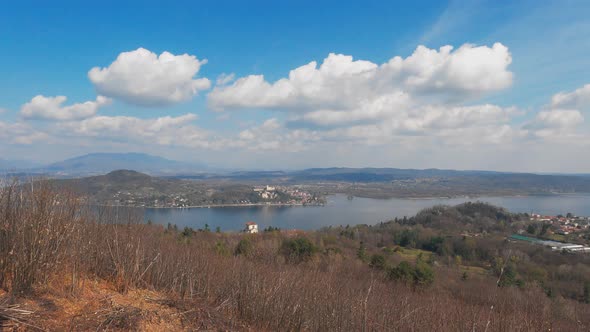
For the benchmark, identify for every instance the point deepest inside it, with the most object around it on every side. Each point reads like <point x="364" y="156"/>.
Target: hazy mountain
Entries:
<point x="372" y="174"/>
<point x="12" y="165"/>
<point x="100" y="163"/>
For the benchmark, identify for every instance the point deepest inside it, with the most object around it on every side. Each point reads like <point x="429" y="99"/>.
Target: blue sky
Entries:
<point x="48" y="49"/>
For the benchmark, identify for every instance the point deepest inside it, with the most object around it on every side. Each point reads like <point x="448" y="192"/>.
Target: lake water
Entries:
<point x="341" y="211"/>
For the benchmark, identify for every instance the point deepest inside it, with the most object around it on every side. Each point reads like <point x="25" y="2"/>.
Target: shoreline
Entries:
<point x="475" y="197"/>
<point x="209" y="206"/>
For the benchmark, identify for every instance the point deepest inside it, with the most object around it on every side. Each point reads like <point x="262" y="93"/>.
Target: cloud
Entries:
<point x="554" y="123"/>
<point x="562" y="117"/>
<point x="460" y="125"/>
<point x="224" y="79"/>
<point x="427" y="95"/>
<point x="166" y="130"/>
<point x="143" y="78"/>
<point x="272" y="135"/>
<point x="458" y="14"/>
<point x="381" y="107"/>
<point x="50" y="108"/>
<point x="341" y="82"/>
<point x="578" y="99"/>
<point x="21" y="133"/>
<point x="30" y="138"/>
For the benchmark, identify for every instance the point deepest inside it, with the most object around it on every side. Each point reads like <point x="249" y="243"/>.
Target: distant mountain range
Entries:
<point x="102" y="163"/>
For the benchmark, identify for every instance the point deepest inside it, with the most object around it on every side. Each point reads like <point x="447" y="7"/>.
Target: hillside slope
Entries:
<point x="98" y="306"/>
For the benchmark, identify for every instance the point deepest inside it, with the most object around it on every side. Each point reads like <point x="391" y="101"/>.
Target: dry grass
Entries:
<point x="12" y="315"/>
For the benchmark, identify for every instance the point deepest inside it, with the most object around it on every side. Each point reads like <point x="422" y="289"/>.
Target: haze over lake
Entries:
<point x="341" y="211"/>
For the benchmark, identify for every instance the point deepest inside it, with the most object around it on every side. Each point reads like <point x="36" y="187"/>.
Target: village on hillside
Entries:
<point x="563" y="225"/>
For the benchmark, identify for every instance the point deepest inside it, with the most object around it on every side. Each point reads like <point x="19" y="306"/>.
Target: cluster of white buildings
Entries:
<point x="266" y="192"/>
<point x="297" y="196"/>
<point x="561" y="246"/>
<point x="554" y="245"/>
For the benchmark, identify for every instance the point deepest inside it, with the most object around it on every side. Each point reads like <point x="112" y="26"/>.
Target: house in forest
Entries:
<point x="251" y="227"/>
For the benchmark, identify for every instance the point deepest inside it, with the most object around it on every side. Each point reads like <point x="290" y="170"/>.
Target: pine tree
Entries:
<point x="464" y="276"/>
<point x="362" y="252"/>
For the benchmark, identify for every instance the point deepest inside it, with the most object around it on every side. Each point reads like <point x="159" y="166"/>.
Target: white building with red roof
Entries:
<point x="251" y="227"/>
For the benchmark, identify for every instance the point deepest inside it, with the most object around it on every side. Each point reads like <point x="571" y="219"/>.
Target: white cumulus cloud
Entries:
<point x="556" y="119"/>
<point x="577" y="99"/>
<point x="143" y="78"/>
<point x="51" y="108"/>
<point x="341" y="82"/>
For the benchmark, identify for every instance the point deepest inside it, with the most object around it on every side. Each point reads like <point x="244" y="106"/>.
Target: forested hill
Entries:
<point x="104" y="188"/>
<point x="392" y="174"/>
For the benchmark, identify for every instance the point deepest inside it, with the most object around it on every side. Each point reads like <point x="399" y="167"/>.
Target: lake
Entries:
<point x="341" y="211"/>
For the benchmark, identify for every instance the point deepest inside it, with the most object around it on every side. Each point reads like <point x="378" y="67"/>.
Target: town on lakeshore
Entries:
<point x="554" y="228"/>
<point x="258" y="195"/>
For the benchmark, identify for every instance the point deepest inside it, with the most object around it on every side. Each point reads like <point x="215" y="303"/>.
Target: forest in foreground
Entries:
<point x="65" y="266"/>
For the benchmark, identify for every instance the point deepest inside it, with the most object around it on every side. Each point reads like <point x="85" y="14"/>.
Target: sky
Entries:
<point x="489" y="85"/>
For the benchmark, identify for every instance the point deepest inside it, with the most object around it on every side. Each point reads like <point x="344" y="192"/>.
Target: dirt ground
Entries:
<point x="99" y="307"/>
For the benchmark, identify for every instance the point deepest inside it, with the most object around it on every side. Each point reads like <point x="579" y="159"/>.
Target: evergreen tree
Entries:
<point x="509" y="276"/>
<point x="244" y="247"/>
<point x="361" y="252"/>
<point x="377" y="262"/>
<point x="298" y="250"/>
<point x="402" y="272"/>
<point x="423" y="274"/>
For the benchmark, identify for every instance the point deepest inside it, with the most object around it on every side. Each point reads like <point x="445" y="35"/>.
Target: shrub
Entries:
<point x="271" y="229"/>
<point x="221" y="249"/>
<point x="187" y="232"/>
<point x="244" y="247"/>
<point x="377" y="262"/>
<point x="423" y="274"/>
<point x="420" y="275"/>
<point x="402" y="272"/>
<point x="298" y="250"/>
